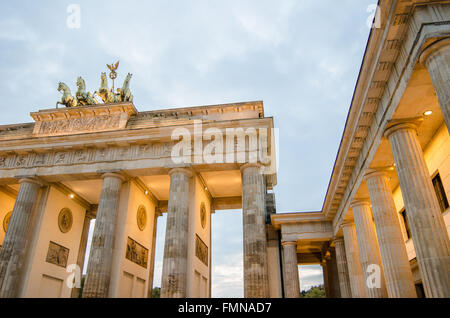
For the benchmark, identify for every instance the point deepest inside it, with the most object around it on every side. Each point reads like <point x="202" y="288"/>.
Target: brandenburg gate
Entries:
<point x="124" y="168"/>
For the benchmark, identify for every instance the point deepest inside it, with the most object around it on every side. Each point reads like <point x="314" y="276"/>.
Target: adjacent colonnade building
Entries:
<point x="384" y="227"/>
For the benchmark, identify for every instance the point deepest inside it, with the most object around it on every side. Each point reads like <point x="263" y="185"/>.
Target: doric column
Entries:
<point x="98" y="274"/>
<point x="290" y="268"/>
<point x="332" y="273"/>
<point x="354" y="264"/>
<point x="151" y="272"/>
<point x="13" y="251"/>
<point x="369" y="251"/>
<point x="256" y="280"/>
<point x="326" y="283"/>
<point x="175" y="248"/>
<point x="82" y="248"/>
<point x="428" y="231"/>
<point x="436" y="58"/>
<point x="397" y="271"/>
<point x="341" y="260"/>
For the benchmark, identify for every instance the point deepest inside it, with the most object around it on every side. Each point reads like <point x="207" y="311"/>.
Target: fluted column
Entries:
<point x="13" y="251"/>
<point x="369" y="251"/>
<point x="98" y="273"/>
<point x="333" y="276"/>
<point x="176" y="243"/>
<point x="428" y="231"/>
<point x="341" y="260"/>
<point x="256" y="279"/>
<point x="397" y="270"/>
<point x="354" y="264"/>
<point x="82" y="248"/>
<point x="436" y="58"/>
<point x="290" y="268"/>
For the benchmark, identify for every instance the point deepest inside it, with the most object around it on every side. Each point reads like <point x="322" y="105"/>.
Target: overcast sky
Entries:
<point x="301" y="57"/>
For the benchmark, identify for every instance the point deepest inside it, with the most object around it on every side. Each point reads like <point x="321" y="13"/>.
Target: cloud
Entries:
<point x="310" y="275"/>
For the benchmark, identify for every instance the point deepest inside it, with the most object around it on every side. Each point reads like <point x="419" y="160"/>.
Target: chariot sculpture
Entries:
<point x="106" y="95"/>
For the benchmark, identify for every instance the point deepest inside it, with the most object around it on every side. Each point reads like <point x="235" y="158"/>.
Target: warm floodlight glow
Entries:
<point x="71" y="196"/>
<point x="428" y="112"/>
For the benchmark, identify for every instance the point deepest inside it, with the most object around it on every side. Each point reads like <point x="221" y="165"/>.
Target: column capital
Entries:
<point x="250" y="165"/>
<point x="92" y="213"/>
<point x="286" y="243"/>
<point x="434" y="48"/>
<point x="116" y="174"/>
<point x="347" y="224"/>
<point x="377" y="172"/>
<point x="186" y="171"/>
<point x="339" y="239"/>
<point x="30" y="179"/>
<point x="400" y="124"/>
<point x="358" y="202"/>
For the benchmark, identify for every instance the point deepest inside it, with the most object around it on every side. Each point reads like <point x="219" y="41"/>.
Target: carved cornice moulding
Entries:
<point x="80" y="120"/>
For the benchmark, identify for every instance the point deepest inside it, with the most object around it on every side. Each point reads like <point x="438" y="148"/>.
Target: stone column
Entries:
<point x="341" y="260"/>
<point x="151" y="272"/>
<point x="175" y="248"/>
<point x="369" y="251"/>
<point x="98" y="274"/>
<point x="256" y="280"/>
<point x="13" y="251"/>
<point x="290" y="269"/>
<point x="326" y="282"/>
<point x="397" y="271"/>
<point x="332" y="273"/>
<point x="428" y="231"/>
<point x="354" y="264"/>
<point x="436" y="58"/>
<point x="82" y="248"/>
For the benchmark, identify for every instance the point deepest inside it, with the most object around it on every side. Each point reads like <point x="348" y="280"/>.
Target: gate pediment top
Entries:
<point x="84" y="119"/>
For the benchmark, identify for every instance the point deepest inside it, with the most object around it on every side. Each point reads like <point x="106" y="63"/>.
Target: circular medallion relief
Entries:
<point x="6" y="221"/>
<point x="65" y="220"/>
<point x="203" y="215"/>
<point x="141" y="217"/>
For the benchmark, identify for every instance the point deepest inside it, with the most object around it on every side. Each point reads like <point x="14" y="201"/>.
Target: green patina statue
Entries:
<point x="83" y="98"/>
<point x="67" y="99"/>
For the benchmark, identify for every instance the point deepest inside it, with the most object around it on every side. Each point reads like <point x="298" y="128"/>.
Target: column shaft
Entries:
<point x="326" y="282"/>
<point x="437" y="60"/>
<point x="13" y="251"/>
<point x="290" y="268"/>
<point x="82" y="249"/>
<point x="175" y="248"/>
<point x="98" y="274"/>
<point x="151" y="272"/>
<point x="428" y="231"/>
<point x="369" y="251"/>
<point x="341" y="260"/>
<point x="256" y="280"/>
<point x="332" y="273"/>
<point x="353" y="261"/>
<point x="397" y="270"/>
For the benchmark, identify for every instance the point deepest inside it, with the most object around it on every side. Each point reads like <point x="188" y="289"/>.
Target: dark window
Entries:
<point x="440" y="192"/>
<point x="405" y="221"/>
